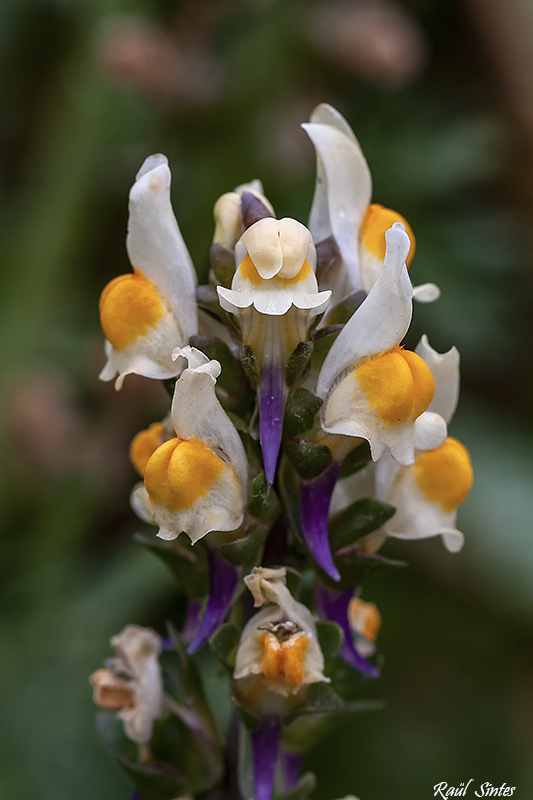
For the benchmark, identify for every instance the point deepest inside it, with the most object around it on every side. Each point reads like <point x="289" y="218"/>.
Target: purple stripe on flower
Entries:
<point x="315" y="500"/>
<point x="271" y="410"/>
<point x="223" y="580"/>
<point x="333" y="606"/>
<point x="291" y="764"/>
<point x="192" y="622"/>
<point x="265" y="746"/>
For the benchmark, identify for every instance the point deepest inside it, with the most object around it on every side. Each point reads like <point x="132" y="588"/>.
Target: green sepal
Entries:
<point x="224" y="643"/>
<point x="248" y="549"/>
<point x="309" y="459"/>
<point x="305" y="731"/>
<point x="301" y="791"/>
<point x="294" y="581"/>
<point x="359" y="519"/>
<point x="327" y="252"/>
<point x="298" y="361"/>
<point x="207" y="298"/>
<point x="189" y="565"/>
<point x="232" y="378"/>
<point x="249" y="365"/>
<point x="341" y="313"/>
<point x="346" y="680"/>
<point x="301" y="412"/>
<point x="154" y="781"/>
<point x="356" y="460"/>
<point x="320" y="698"/>
<point x="357" y="567"/>
<point x="264" y="504"/>
<point x="288" y="485"/>
<point x="222" y="261"/>
<point x="330" y="638"/>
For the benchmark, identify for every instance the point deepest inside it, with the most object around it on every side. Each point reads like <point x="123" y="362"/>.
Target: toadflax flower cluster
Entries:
<point x="301" y="435"/>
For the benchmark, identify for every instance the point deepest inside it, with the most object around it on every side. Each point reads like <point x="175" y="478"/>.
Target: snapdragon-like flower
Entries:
<point x="275" y="295"/>
<point x="372" y="388"/>
<point x="149" y="312"/>
<point x="196" y="481"/>
<point x="428" y="493"/>
<point x="342" y="208"/>
<point x="132" y="683"/>
<point x="278" y="653"/>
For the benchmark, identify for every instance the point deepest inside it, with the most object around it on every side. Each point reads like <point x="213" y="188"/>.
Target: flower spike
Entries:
<point x="149" y="312"/>
<point x="197" y="481"/>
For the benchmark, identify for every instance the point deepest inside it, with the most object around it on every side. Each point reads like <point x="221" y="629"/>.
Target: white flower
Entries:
<point x="342" y="208"/>
<point x="132" y="682"/>
<point x="371" y="387"/>
<point x="196" y="481"/>
<point x="149" y="312"/>
<point x="229" y="226"/>
<point x="278" y="651"/>
<point x="275" y="295"/>
<point x="427" y="494"/>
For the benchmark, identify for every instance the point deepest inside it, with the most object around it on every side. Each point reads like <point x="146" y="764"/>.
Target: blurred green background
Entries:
<point x="440" y="94"/>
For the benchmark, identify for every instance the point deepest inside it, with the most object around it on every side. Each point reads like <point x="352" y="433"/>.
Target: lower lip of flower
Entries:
<point x="129" y="306"/>
<point x="445" y="474"/>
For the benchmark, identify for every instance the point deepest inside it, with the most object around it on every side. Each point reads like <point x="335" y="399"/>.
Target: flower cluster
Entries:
<point x="301" y="432"/>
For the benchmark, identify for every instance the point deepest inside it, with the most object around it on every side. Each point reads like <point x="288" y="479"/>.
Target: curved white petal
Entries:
<point x="418" y="518"/>
<point x="197" y="414"/>
<point x="149" y="355"/>
<point x="445" y="370"/>
<point x="343" y="188"/>
<point x="426" y="292"/>
<point x="430" y="431"/>
<point x="381" y="321"/>
<point x="155" y="244"/>
<point x="263" y="243"/>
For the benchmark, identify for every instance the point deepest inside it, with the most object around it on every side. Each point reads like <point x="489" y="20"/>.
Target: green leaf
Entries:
<point x="301" y="791"/>
<point x="356" y="459"/>
<point x="320" y="698"/>
<point x="222" y="260"/>
<point x="359" y="519"/>
<point x="154" y="781"/>
<point x="301" y="412"/>
<point x="294" y="581"/>
<point x="264" y="503"/>
<point x="309" y="459"/>
<point x="188" y="564"/>
<point x="232" y="378"/>
<point x="224" y="643"/>
<point x="357" y="567"/>
<point x="330" y="638"/>
<point x="248" y="549"/>
<point x="341" y="313"/>
<point x="305" y="731"/>
<point x="249" y="365"/>
<point x="298" y="361"/>
<point x="288" y="485"/>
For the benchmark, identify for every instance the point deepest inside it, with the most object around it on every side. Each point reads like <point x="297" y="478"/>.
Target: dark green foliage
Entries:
<point x="298" y="362"/>
<point x="308" y="459"/>
<point x="359" y="519"/>
<point x="300" y="414"/>
<point x="264" y="503"/>
<point x="330" y="638"/>
<point x="188" y="564"/>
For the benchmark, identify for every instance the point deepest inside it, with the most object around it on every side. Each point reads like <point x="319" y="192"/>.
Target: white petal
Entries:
<point x="197" y="414"/>
<point x="264" y="246"/>
<point x="418" y="518"/>
<point x="348" y="412"/>
<point x="381" y="321"/>
<point x="430" y="431"/>
<point x="155" y="245"/>
<point x="445" y="370"/>
<point x="343" y="189"/>
<point x="426" y="292"/>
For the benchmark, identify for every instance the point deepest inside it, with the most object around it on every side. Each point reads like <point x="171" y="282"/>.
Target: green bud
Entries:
<point x="301" y="412"/>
